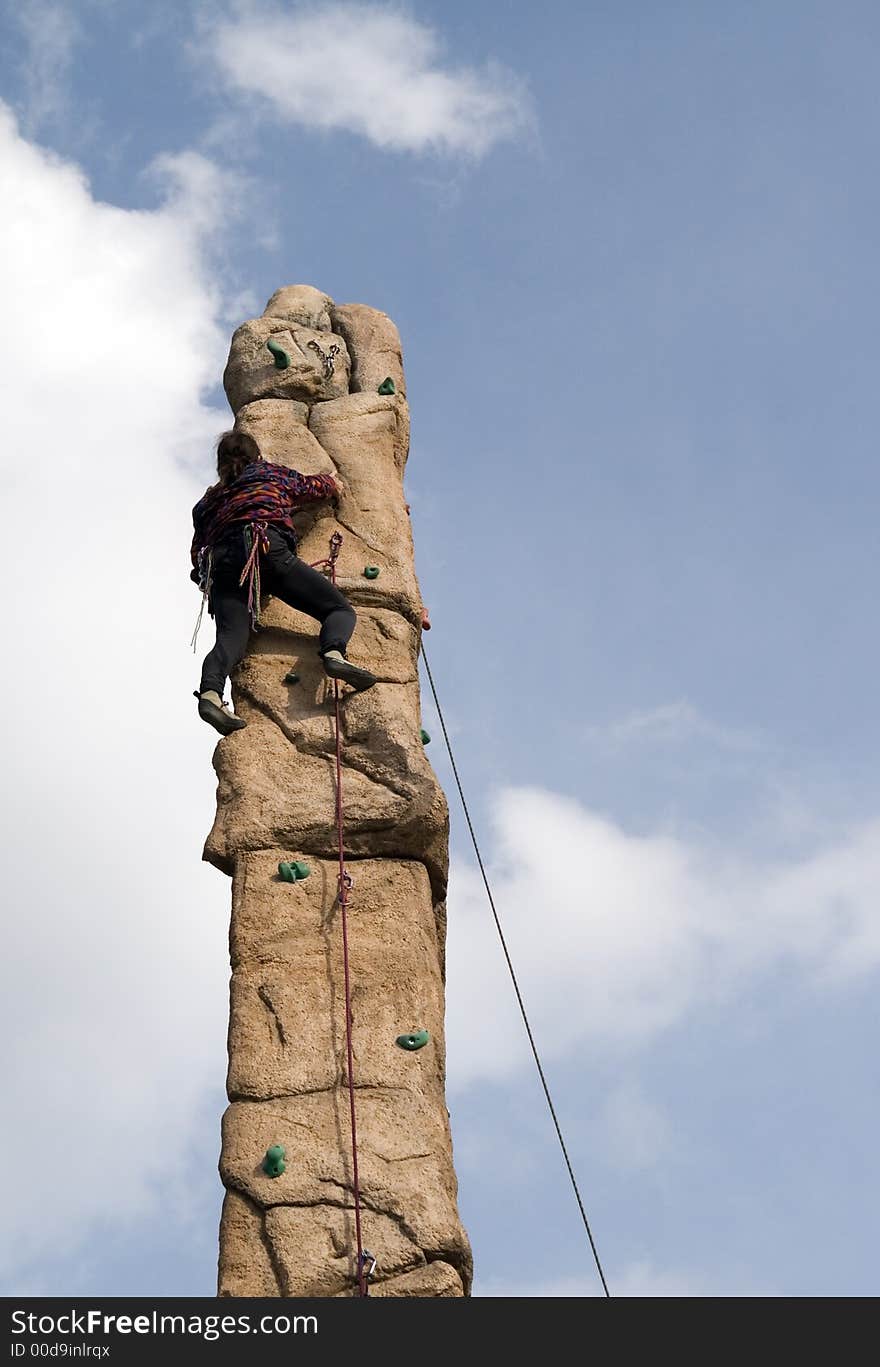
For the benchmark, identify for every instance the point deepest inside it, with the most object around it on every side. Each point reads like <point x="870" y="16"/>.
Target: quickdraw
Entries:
<point x="328" y="357"/>
<point x="366" y="1257"/>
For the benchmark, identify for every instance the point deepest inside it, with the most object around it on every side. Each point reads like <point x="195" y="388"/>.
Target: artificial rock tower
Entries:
<point x="293" y="1235"/>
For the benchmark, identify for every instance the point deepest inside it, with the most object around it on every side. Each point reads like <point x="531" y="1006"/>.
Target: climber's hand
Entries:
<point x="340" y="489"/>
<point x="194" y="576"/>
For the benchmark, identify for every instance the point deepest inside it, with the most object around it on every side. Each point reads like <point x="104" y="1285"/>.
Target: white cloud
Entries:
<point x="200" y="198"/>
<point x="615" y="937"/>
<point x="51" y="34"/>
<point x="369" y="69"/>
<point x="114" y="967"/>
<point x="640" y="1278"/>
<point x="671" y="724"/>
<point x="637" y="1132"/>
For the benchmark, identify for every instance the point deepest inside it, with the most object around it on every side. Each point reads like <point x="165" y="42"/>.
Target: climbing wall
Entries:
<point x="293" y="1234"/>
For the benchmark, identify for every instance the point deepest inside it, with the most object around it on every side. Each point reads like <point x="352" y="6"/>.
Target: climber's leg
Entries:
<point x="229" y="605"/>
<point x="303" y="588"/>
<point x="233" y="629"/>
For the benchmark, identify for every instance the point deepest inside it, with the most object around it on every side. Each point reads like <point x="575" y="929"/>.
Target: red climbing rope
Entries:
<point x="344" y="887"/>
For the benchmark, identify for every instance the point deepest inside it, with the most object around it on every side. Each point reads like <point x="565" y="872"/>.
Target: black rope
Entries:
<point x="515" y="983"/>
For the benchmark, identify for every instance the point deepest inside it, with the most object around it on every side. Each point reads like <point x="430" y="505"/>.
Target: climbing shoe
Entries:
<point x="213" y="709"/>
<point x="336" y="665"/>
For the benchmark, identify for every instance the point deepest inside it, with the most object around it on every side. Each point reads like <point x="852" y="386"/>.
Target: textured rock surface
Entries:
<point x="301" y="304"/>
<point x="276" y="778"/>
<point x="251" y="372"/>
<point x="294" y="1235"/>
<point x="287" y="972"/>
<point x="373" y="344"/>
<point x="282" y="427"/>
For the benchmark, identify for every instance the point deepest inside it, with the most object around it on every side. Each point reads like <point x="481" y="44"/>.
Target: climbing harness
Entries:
<point x="344" y="887"/>
<point x="328" y="357"/>
<point x="256" y="536"/>
<point x="256" y="539"/>
<point x="513" y="978"/>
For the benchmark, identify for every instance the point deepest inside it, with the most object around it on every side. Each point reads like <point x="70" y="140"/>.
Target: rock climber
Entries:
<point x="244" y="543"/>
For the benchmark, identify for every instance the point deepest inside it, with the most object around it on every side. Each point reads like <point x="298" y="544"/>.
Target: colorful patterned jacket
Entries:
<point x="262" y="492"/>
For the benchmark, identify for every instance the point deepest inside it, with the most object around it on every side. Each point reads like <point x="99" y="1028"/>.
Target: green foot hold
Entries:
<point x="291" y="676"/>
<point x="425" y="738"/>
<point x="417" y="1039"/>
<point x="387" y="386"/>
<point x="371" y="571"/>
<point x="293" y="871"/>
<point x="280" y="356"/>
<point x="273" y="1163"/>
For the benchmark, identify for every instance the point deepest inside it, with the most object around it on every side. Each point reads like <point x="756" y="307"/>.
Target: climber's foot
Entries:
<point x="337" y="667"/>
<point x="213" y="709"/>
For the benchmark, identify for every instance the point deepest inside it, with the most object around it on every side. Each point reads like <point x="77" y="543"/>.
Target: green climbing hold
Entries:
<point x="291" y="676"/>
<point x="416" y="1039"/>
<point x="425" y="737"/>
<point x="280" y="356"/>
<point x="293" y="870"/>
<point x="387" y="386"/>
<point x="371" y="571"/>
<point x="273" y="1163"/>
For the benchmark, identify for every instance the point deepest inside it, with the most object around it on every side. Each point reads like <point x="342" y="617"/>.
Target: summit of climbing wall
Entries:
<point x="321" y="388"/>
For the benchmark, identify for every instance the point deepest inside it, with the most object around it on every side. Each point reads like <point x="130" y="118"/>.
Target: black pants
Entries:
<point x="283" y="574"/>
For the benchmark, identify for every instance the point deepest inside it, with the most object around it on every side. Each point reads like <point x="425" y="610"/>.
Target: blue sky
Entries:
<point x="631" y="250"/>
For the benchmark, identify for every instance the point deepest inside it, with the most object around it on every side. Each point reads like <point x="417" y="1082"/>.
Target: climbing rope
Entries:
<point x="514" y="981"/>
<point x="345" y="884"/>
<point x="206" y="574"/>
<point x="256" y="536"/>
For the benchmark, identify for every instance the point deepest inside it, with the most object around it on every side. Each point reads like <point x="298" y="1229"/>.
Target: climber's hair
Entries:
<point x="235" y="450"/>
